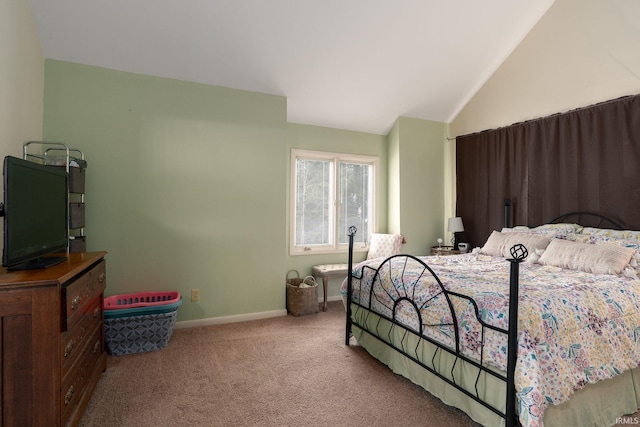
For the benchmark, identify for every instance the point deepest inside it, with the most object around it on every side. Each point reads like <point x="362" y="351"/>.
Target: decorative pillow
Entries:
<point x="598" y="259"/>
<point x="500" y="244"/>
<point x="384" y="245"/>
<point x="625" y="238"/>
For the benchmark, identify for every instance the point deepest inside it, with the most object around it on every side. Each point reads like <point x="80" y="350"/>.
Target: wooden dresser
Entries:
<point x="51" y="340"/>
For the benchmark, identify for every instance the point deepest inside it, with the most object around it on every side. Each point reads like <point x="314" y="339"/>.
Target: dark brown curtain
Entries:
<point x="584" y="160"/>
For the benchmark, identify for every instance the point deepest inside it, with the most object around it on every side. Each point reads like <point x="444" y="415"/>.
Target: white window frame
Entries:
<point x="336" y="158"/>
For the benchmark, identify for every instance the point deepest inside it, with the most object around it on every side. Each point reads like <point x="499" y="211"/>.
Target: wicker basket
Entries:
<point x="301" y="300"/>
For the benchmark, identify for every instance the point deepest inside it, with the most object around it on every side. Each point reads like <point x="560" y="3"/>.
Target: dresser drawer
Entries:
<point x="75" y="339"/>
<point x="75" y="382"/>
<point x="82" y="291"/>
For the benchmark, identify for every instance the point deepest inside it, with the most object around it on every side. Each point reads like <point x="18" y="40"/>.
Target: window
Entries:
<point x="330" y="193"/>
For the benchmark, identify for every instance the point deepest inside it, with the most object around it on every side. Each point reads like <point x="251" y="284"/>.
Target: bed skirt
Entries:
<point x="599" y="404"/>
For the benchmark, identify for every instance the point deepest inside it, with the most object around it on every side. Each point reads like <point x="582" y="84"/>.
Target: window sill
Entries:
<point x="358" y="248"/>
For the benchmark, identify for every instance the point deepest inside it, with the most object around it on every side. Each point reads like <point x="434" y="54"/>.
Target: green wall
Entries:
<point x="185" y="184"/>
<point x="188" y="184"/>
<point x="417" y="160"/>
<point x="393" y="209"/>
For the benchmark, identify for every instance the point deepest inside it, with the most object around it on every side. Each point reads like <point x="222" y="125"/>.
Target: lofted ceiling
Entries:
<point x="347" y="64"/>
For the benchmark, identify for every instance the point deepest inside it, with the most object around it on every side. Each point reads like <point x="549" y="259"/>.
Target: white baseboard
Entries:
<point x="241" y="317"/>
<point x="230" y="319"/>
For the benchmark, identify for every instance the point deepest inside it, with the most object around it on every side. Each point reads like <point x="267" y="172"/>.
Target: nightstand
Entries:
<point x="443" y="250"/>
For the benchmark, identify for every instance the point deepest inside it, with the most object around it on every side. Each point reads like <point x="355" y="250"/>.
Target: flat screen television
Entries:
<point x="36" y="206"/>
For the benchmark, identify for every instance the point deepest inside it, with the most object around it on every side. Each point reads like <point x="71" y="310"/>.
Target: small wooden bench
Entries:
<point x="380" y="246"/>
<point x="326" y="272"/>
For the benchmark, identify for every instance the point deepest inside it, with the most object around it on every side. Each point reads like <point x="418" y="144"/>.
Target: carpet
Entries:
<point x="283" y="371"/>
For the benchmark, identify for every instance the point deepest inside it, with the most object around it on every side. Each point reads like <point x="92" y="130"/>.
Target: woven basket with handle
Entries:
<point x="301" y="300"/>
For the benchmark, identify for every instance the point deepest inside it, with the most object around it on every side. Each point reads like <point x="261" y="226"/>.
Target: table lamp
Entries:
<point x="455" y="227"/>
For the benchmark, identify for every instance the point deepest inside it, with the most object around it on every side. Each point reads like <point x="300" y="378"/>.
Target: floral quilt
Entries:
<point x="574" y="328"/>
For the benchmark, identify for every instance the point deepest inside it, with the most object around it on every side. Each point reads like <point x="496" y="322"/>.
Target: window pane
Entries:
<point x="355" y="201"/>
<point x="314" y="200"/>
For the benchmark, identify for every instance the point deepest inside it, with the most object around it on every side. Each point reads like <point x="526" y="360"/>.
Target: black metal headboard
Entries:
<point x="588" y="219"/>
<point x="585" y="219"/>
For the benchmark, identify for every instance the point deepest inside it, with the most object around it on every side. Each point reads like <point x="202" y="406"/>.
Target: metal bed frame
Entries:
<point x="518" y="253"/>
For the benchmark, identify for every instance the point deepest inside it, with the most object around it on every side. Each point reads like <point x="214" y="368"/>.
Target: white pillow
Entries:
<point x="598" y="259"/>
<point x="500" y="244"/>
<point x="384" y="245"/>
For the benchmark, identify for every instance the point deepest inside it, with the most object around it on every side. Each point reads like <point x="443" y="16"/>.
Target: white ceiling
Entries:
<point x="347" y="64"/>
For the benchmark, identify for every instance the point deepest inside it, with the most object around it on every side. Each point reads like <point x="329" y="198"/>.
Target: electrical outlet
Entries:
<point x="195" y="295"/>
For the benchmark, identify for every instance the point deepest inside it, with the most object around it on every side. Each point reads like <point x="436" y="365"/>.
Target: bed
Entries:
<point x="447" y="323"/>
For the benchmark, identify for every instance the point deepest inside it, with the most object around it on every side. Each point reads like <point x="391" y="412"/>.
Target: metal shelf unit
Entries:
<point x="58" y="154"/>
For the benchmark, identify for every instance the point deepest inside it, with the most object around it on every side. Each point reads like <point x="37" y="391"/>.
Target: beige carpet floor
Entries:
<point x="285" y="371"/>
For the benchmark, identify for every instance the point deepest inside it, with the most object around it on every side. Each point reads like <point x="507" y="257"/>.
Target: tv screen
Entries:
<point x="36" y="205"/>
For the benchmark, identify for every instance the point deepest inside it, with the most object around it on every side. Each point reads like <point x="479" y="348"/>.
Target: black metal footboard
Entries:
<point x="413" y="338"/>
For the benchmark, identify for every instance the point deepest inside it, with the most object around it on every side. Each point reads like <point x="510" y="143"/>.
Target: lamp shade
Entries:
<point x="455" y="225"/>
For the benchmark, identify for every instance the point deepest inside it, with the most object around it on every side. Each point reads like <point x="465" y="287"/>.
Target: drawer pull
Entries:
<point x="69" y="395"/>
<point x="101" y="277"/>
<point x="97" y="347"/>
<point x="76" y="302"/>
<point x="69" y="348"/>
<point x="96" y="312"/>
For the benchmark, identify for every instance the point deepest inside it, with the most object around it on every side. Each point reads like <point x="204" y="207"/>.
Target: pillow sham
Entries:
<point x="598" y="259"/>
<point x="560" y="230"/>
<point x="524" y="229"/>
<point x="517" y="228"/>
<point x="499" y="244"/>
<point x="607" y="235"/>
